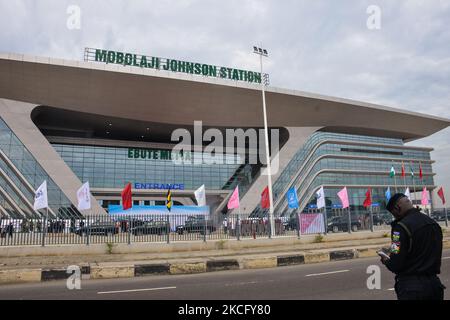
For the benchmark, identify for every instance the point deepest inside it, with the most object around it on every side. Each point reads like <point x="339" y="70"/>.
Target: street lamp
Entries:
<point x="263" y="53"/>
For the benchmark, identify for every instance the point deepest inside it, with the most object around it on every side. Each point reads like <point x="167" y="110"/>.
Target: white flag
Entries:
<point x="200" y="195"/>
<point x="84" y="197"/>
<point x="408" y="194"/>
<point x="320" y="198"/>
<point x="40" y="197"/>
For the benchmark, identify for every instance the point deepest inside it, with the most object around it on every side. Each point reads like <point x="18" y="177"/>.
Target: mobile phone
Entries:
<point x="383" y="254"/>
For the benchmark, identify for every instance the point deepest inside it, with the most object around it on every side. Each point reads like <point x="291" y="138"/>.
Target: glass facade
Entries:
<point x="24" y="162"/>
<point x="326" y="159"/>
<point x="113" y="167"/>
<point x="349" y="160"/>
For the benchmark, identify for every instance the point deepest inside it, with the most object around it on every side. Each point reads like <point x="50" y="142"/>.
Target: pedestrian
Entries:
<point x="10" y="229"/>
<point x="415" y="253"/>
<point x="225" y="225"/>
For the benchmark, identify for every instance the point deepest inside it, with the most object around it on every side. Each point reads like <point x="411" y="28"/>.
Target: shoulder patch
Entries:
<point x="396" y="236"/>
<point x="395" y="247"/>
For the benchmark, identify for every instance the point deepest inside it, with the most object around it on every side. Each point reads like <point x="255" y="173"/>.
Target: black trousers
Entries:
<point x="419" y="288"/>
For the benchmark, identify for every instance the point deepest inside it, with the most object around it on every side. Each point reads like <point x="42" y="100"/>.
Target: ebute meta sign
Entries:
<point x="142" y="61"/>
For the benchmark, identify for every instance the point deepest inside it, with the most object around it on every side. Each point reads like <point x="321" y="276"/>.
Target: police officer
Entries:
<point x="415" y="253"/>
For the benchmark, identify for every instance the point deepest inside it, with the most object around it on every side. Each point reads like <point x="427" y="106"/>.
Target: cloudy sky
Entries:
<point x="316" y="45"/>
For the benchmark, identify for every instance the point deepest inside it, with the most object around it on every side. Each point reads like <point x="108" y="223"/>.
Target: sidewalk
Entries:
<point x="246" y="254"/>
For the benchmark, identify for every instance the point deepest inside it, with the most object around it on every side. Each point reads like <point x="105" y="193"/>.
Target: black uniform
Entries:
<point x="416" y="252"/>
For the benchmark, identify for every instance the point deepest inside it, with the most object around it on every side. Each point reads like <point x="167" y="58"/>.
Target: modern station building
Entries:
<point x="109" y="120"/>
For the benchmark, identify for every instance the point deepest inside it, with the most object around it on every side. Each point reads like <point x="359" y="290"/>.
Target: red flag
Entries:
<point x="403" y="169"/>
<point x="368" y="200"/>
<point x="441" y="195"/>
<point x="265" y="201"/>
<point x="127" y="203"/>
<point x="420" y="171"/>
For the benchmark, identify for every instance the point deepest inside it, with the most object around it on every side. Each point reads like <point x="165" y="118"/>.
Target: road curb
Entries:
<point x="290" y="260"/>
<point x="342" y="255"/>
<point x="188" y="268"/>
<point x="20" y="276"/>
<point x="222" y="265"/>
<point x="141" y="270"/>
<point x="259" y="263"/>
<point x="317" y="257"/>
<point x="366" y="253"/>
<point x="113" y="271"/>
<point x="54" y="274"/>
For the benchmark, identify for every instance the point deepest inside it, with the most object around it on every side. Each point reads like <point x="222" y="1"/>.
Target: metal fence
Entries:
<point x="167" y="228"/>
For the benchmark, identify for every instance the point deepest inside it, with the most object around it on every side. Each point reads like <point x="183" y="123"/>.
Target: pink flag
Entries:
<point x="233" y="203"/>
<point x="425" y="201"/>
<point x="343" y="195"/>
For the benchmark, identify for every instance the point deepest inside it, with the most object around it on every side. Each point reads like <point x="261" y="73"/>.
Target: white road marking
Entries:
<point x="240" y="283"/>
<point x="446" y="258"/>
<point x="391" y="289"/>
<point x="136" y="290"/>
<point x="326" y="273"/>
<point x="245" y="283"/>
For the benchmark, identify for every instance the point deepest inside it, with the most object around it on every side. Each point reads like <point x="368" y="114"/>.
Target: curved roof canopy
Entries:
<point x="180" y="99"/>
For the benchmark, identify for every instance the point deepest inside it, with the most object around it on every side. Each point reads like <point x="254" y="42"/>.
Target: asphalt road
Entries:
<point x="342" y="280"/>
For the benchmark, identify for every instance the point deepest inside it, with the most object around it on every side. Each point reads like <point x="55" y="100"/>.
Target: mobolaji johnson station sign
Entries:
<point x="142" y="61"/>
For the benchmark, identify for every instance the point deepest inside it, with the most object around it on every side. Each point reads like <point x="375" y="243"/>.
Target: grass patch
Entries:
<point x="319" y="238"/>
<point x="109" y="247"/>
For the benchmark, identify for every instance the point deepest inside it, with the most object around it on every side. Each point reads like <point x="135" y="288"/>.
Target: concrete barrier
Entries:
<point x="342" y="255"/>
<point x="188" y="268"/>
<point x="230" y="244"/>
<point x="290" y="260"/>
<point x="446" y="244"/>
<point x="366" y="253"/>
<point x="259" y="263"/>
<point x="151" y="269"/>
<point x="112" y="272"/>
<point x="54" y="274"/>
<point x="222" y="265"/>
<point x="20" y="276"/>
<point x="121" y="270"/>
<point x="317" y="257"/>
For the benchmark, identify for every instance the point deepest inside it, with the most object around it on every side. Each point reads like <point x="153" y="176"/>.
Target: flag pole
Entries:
<point x="404" y="173"/>
<point x="446" y="218"/>
<point x="371" y="218"/>
<point x="422" y="183"/>
<point x="395" y="183"/>
<point x="395" y="178"/>
<point x="414" y="182"/>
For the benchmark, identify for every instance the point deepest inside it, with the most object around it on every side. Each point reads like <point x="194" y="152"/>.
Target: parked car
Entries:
<point x="99" y="228"/>
<point x="379" y="219"/>
<point x="56" y="226"/>
<point x="336" y="224"/>
<point x="291" y="223"/>
<point x="195" y="224"/>
<point x="151" y="227"/>
<point x="439" y="215"/>
<point x="124" y="222"/>
<point x="7" y="230"/>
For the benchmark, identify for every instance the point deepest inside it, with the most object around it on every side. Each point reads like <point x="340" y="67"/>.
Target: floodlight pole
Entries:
<point x="261" y="52"/>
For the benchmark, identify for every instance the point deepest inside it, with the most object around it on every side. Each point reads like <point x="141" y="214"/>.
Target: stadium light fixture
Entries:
<point x="263" y="53"/>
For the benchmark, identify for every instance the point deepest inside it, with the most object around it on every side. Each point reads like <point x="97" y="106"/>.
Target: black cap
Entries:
<point x="393" y="200"/>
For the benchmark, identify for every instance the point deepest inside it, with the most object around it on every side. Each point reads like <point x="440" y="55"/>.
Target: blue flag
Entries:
<point x="388" y="194"/>
<point x="292" y="198"/>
